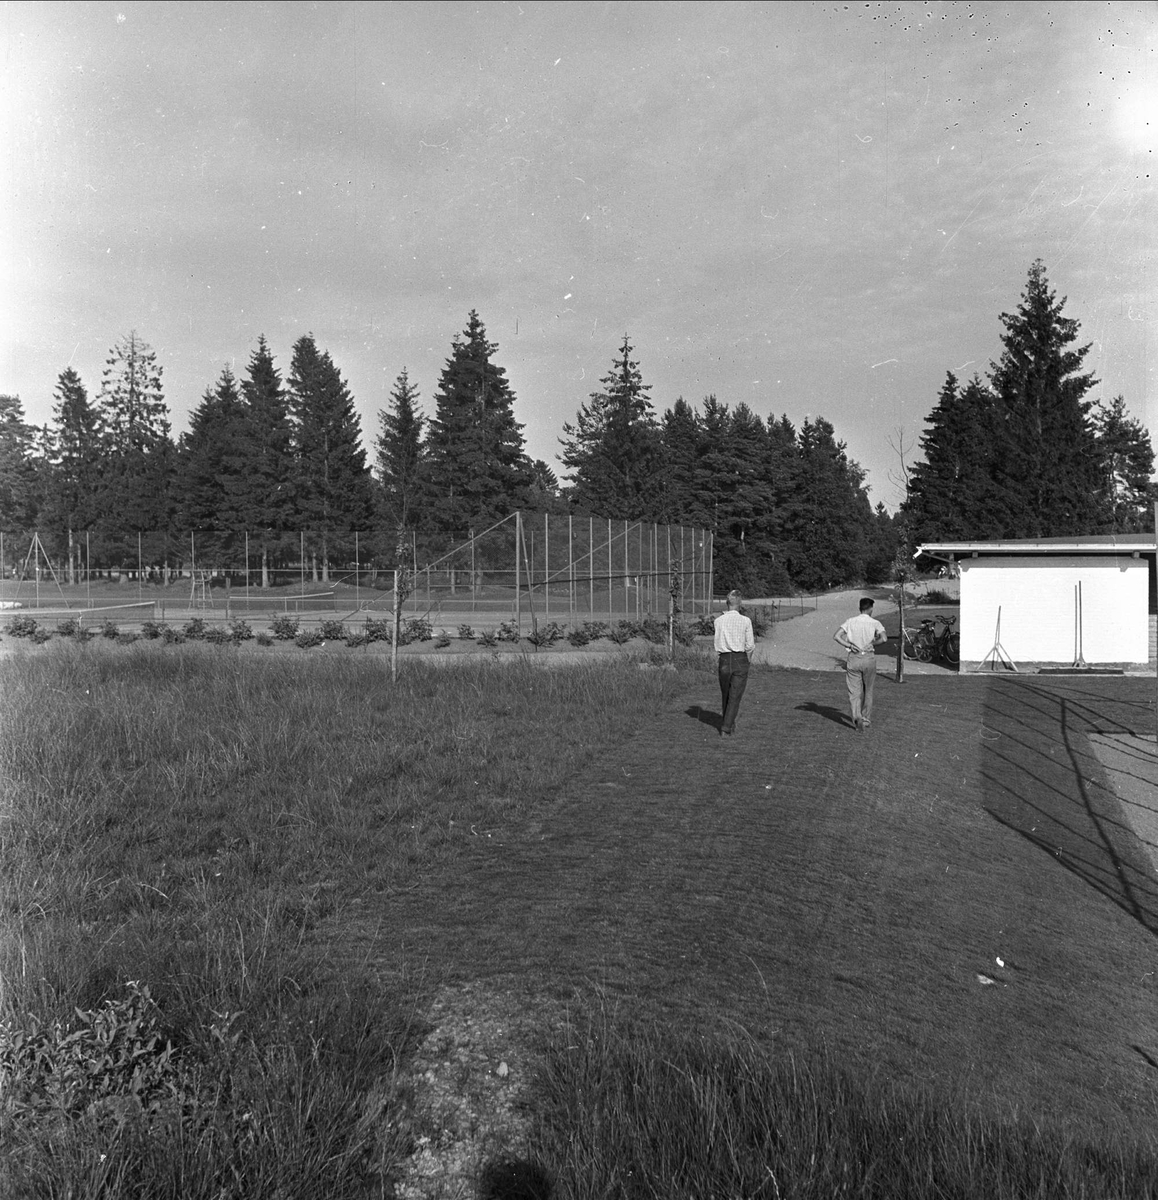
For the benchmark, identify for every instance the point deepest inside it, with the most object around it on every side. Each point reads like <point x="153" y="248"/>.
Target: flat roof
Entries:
<point x="1099" y="543"/>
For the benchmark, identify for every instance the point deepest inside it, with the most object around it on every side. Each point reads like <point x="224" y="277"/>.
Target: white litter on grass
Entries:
<point x="1000" y="962"/>
<point x="984" y="980"/>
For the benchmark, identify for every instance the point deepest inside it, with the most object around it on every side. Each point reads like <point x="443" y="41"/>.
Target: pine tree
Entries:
<point x="612" y="450"/>
<point x="333" y="483"/>
<point x="139" y="453"/>
<point x="477" y="469"/>
<point x="400" y="456"/>
<point x="1046" y="458"/>
<point x="72" y="496"/>
<point x="1126" y="489"/>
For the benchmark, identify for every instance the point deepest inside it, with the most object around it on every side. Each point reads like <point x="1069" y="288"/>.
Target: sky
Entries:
<point x="813" y="209"/>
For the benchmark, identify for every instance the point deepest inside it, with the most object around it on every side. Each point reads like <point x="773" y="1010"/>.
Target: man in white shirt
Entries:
<point x="861" y="635"/>
<point x="734" y="641"/>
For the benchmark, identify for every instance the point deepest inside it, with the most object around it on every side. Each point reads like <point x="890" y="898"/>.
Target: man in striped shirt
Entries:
<point x="734" y="641"/>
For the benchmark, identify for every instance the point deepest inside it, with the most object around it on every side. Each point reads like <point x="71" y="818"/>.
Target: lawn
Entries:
<point x="945" y="926"/>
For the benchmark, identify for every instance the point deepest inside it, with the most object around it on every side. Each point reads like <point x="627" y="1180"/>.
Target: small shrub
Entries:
<point x="264" y="639"/>
<point x="284" y="627"/>
<point x="596" y="629"/>
<point x="705" y="626"/>
<point x="40" y="635"/>
<point x="71" y="628"/>
<point x="488" y="639"/>
<point x="683" y="635"/>
<point x="21" y="626"/>
<point x="128" y="638"/>
<point x="195" y="630"/>
<point x="153" y="629"/>
<point x="763" y="618"/>
<point x="172" y="637"/>
<point x="545" y="635"/>
<point x="239" y="631"/>
<point x="507" y="632"/>
<point x="624" y="632"/>
<point x="308" y="638"/>
<point x="378" y="631"/>
<point x="654" y="630"/>
<point x="103" y="1058"/>
<point x="357" y="639"/>
<point x="418" y="629"/>
<point x="578" y="637"/>
<point x="109" y="630"/>
<point x="218" y="635"/>
<point x="333" y="631"/>
<point x="466" y="633"/>
<point x="936" y="596"/>
<point x="442" y="641"/>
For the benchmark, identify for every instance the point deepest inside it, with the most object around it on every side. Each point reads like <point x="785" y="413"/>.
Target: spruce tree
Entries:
<point x="1046" y="457"/>
<point x="18" y="474"/>
<point x="679" y="447"/>
<point x="1126" y="487"/>
<point x="333" y="483"/>
<point x="477" y="469"/>
<point x="953" y="493"/>
<point x="613" y="449"/>
<point x="134" y="494"/>
<point x="211" y="479"/>
<point x="71" y="501"/>
<point x="268" y="507"/>
<point x="400" y="456"/>
<point x="827" y="527"/>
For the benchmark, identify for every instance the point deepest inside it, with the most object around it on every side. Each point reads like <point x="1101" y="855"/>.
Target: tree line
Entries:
<point x="273" y="455"/>
<point x="1023" y="454"/>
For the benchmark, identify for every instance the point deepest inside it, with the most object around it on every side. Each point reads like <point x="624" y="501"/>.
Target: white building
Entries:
<point x="1060" y="601"/>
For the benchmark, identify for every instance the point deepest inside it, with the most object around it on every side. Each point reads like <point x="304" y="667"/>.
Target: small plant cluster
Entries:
<point x="24" y="626"/>
<point x="110" y="1060"/>
<point x="545" y="635"/>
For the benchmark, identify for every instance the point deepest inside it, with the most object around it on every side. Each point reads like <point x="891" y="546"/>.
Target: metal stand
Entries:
<point x="1079" y="658"/>
<point x="997" y="656"/>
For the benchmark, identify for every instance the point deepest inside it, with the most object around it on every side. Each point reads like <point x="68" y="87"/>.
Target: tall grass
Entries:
<point x="655" y="1115"/>
<point x="180" y="817"/>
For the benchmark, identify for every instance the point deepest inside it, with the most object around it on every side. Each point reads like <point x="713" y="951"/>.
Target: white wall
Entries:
<point x="1036" y="596"/>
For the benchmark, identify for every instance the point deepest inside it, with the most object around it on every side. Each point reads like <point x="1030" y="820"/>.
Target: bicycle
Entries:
<point x="926" y="643"/>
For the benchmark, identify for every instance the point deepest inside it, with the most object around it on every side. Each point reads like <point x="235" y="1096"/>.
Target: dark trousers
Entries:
<point x="733" y="681"/>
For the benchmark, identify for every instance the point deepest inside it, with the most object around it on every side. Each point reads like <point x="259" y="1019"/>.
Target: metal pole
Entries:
<point x="570" y="570"/>
<point x="518" y="580"/>
<point x="1156" y="653"/>
<point x="357" y="573"/>
<point x="546" y="567"/>
<point x="302" y="556"/>
<point x="140" y="593"/>
<point x="626" y="569"/>
<point x="247" y="572"/>
<point x="87" y="570"/>
<point x="590" y="566"/>
<point x="473" y="575"/>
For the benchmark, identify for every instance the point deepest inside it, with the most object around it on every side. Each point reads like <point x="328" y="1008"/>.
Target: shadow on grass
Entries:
<point x="1042" y="779"/>
<point x="826" y="710"/>
<point x="705" y="716"/>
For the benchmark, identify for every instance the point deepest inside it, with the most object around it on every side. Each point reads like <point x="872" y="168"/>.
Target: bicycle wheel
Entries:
<point x="953" y="649"/>
<point x="926" y="646"/>
<point x="909" y="643"/>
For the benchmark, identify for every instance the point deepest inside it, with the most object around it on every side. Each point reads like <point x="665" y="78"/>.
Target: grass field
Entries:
<point x="795" y="963"/>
